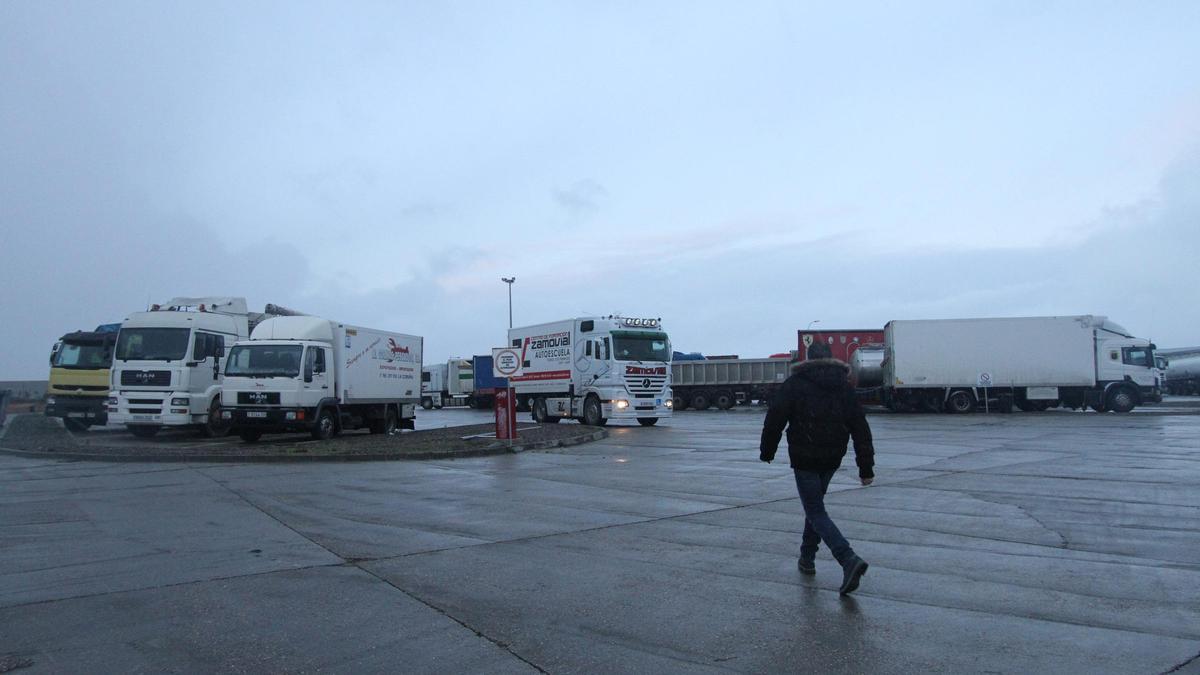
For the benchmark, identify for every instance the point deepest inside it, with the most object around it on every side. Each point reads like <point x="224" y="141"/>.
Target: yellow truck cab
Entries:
<point x="79" y="379"/>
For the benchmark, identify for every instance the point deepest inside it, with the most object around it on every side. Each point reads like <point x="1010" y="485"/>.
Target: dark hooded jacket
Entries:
<point x="821" y="413"/>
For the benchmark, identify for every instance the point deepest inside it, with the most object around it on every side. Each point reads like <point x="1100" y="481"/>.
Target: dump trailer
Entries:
<point x="699" y="384"/>
<point x="957" y="365"/>
<point x="304" y="373"/>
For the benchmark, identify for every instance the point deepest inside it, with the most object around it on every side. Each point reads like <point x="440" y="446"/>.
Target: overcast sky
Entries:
<point x="738" y="169"/>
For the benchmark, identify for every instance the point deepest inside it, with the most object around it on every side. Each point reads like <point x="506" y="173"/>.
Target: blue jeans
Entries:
<point x="818" y="526"/>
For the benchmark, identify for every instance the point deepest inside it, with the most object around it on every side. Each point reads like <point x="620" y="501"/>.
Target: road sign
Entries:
<point x="506" y="362"/>
<point x="985" y="380"/>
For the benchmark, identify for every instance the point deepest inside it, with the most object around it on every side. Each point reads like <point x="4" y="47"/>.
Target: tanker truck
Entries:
<point x="957" y="365"/>
<point x="1182" y="371"/>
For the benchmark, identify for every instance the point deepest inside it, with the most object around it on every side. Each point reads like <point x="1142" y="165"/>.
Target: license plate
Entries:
<point x="143" y="417"/>
<point x="256" y="413"/>
<point x="77" y="414"/>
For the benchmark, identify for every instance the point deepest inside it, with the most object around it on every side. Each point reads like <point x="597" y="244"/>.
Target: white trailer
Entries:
<point x="1033" y="362"/>
<point x="594" y="369"/>
<point x="448" y="384"/>
<point x="303" y="373"/>
<point x="166" y="368"/>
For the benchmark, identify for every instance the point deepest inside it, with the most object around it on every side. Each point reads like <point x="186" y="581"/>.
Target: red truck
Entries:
<point x="843" y="342"/>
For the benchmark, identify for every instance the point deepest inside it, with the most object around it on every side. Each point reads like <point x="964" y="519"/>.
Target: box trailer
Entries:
<point x="304" y="373"/>
<point x="486" y="382"/>
<point x="448" y="384"/>
<point x="1032" y="362"/>
<point x="594" y="369"/>
<point x="842" y="342"/>
<point x="699" y="384"/>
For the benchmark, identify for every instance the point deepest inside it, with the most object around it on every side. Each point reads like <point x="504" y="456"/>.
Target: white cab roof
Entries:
<point x="294" y="328"/>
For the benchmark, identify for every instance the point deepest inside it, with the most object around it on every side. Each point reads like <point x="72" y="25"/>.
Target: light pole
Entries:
<point x="509" y="281"/>
<point x="810" y="323"/>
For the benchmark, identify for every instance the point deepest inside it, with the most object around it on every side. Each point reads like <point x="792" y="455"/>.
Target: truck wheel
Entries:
<point x="540" y="414"/>
<point x="325" y="427"/>
<point x="143" y="431"/>
<point x="647" y="421"/>
<point x="427" y="404"/>
<point x="724" y="400"/>
<point x="960" y="402"/>
<point x="1121" y="400"/>
<point x="679" y="403"/>
<point x="213" y="426"/>
<point x="250" y="435"/>
<point x="593" y="414"/>
<point x="472" y="403"/>
<point x="700" y="401"/>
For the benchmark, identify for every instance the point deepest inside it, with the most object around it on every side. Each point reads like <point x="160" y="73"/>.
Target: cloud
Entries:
<point x="581" y="198"/>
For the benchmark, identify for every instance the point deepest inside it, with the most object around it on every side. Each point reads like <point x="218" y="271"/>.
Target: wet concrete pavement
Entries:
<point x="1028" y="542"/>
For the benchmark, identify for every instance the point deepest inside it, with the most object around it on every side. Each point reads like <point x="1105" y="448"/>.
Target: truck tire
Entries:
<point x="700" y="401"/>
<point x="593" y="413"/>
<point x="647" y="421"/>
<point x="1121" y="399"/>
<point x="541" y="415"/>
<point x="143" y="430"/>
<point x="214" y="426"/>
<point x="960" y="402"/>
<point x="426" y="404"/>
<point x="325" y="427"/>
<point x="724" y="400"/>
<point x="250" y="435"/>
<point x="679" y="402"/>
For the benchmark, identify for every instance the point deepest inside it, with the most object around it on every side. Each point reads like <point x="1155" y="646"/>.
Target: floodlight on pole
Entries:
<point x="509" y="281"/>
<point x="810" y="323"/>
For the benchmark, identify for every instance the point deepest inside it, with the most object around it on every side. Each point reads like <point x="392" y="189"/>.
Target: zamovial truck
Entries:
<point x="1035" y="363"/>
<point x="303" y="373"/>
<point x="78" y="387"/>
<point x="167" y="365"/>
<point x="594" y="369"/>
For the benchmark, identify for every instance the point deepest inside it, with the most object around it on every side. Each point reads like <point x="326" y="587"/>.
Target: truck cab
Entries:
<point x="277" y="385"/>
<point x="168" y="364"/>
<point x="1126" y="364"/>
<point x="77" y="390"/>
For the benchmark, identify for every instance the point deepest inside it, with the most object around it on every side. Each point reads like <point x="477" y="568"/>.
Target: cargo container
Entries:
<point x="594" y="369"/>
<point x="304" y="373"/>
<point x="957" y="365"/>
<point x="486" y="382"/>
<point x="448" y="384"/>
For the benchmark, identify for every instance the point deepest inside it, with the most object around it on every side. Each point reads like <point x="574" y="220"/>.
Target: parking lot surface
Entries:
<point x="1054" y="542"/>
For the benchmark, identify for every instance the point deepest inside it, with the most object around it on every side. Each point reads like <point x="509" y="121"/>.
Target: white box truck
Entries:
<point x="448" y="384"/>
<point x="304" y="373"/>
<point x="594" y="369"/>
<point x="1034" y="363"/>
<point x="166" y="368"/>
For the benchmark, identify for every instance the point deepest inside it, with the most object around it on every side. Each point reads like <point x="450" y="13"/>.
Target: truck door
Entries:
<point x="316" y="376"/>
<point x="206" y="356"/>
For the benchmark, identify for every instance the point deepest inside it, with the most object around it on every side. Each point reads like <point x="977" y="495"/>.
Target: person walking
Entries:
<point x="818" y="407"/>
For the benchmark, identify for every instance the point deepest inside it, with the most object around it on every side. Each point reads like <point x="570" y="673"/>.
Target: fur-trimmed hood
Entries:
<point x="825" y="373"/>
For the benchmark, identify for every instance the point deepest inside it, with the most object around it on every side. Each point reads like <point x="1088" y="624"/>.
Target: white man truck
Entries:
<point x="958" y="365"/>
<point x="166" y="368"/>
<point x="594" y="369"/>
<point x="304" y="373"/>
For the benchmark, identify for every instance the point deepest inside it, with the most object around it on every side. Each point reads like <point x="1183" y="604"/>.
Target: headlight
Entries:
<point x="49" y="400"/>
<point x="179" y="401"/>
<point x="621" y="404"/>
<point x="669" y="403"/>
<point x="226" y="414"/>
<point x="290" y="416"/>
<point x="112" y="400"/>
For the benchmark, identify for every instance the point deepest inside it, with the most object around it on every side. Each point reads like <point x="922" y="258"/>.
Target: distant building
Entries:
<point x="24" y="390"/>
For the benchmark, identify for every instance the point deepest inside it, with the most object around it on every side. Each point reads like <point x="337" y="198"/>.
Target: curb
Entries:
<point x="487" y="451"/>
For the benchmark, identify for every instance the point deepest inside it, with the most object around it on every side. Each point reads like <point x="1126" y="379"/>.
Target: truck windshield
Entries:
<point x="641" y="346"/>
<point x="264" y="361"/>
<point x="152" y="344"/>
<point x="83" y="356"/>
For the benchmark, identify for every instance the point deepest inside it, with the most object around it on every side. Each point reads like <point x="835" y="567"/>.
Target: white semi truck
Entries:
<point x="304" y="373"/>
<point x="957" y="365"/>
<point x="594" y="369"/>
<point x="448" y="384"/>
<point x="166" y="368"/>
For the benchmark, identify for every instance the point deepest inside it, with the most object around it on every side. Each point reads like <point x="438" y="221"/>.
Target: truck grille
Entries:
<point x="146" y="378"/>
<point x="645" y="384"/>
<point x="80" y="387"/>
<point x="258" y="398"/>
